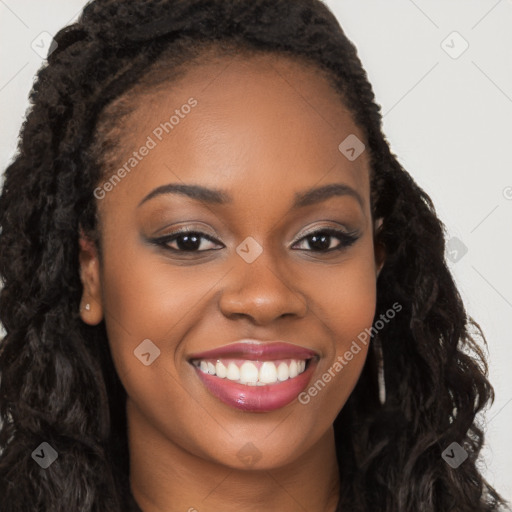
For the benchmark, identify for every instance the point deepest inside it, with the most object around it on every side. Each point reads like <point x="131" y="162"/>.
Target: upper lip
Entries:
<point x="256" y="350"/>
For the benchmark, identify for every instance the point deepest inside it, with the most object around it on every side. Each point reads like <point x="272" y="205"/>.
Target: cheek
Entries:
<point x="356" y="302"/>
<point x="144" y="300"/>
<point x="348" y="298"/>
<point x="147" y="297"/>
<point x="344" y="296"/>
<point x="346" y="307"/>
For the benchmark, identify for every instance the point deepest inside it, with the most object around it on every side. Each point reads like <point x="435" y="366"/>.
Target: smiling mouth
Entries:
<point x="255" y="376"/>
<point x="252" y="373"/>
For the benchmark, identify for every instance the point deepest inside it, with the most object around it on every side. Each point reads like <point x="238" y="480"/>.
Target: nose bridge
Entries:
<point x="258" y="287"/>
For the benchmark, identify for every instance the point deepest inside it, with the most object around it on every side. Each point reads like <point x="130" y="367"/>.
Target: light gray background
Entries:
<point x="448" y="118"/>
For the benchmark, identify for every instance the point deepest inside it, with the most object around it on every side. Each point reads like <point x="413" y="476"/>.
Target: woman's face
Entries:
<point x="255" y="138"/>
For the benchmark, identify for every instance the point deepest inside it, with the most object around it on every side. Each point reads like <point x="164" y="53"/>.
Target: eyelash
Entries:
<point x="346" y="239"/>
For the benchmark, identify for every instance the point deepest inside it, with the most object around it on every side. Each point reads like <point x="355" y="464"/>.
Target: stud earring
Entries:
<point x="87" y="307"/>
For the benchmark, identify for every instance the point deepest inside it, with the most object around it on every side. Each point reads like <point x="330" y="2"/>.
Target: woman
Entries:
<point x="222" y="291"/>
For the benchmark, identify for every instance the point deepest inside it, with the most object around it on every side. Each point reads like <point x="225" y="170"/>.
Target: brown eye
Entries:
<point x="321" y="240"/>
<point x="186" y="241"/>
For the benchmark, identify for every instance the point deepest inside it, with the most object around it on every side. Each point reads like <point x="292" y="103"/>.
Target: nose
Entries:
<point x="261" y="292"/>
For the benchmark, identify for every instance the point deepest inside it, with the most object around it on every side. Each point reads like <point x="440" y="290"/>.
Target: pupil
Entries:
<point x="322" y="240"/>
<point x="188" y="242"/>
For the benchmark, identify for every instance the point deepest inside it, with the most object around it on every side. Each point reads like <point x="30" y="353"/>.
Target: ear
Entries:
<point x="91" y="307"/>
<point x="380" y="250"/>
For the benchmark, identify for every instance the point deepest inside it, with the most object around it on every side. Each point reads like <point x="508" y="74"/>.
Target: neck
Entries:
<point x="165" y="477"/>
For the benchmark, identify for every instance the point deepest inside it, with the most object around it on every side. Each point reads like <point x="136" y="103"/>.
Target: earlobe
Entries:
<point x="91" y="307"/>
<point x="380" y="250"/>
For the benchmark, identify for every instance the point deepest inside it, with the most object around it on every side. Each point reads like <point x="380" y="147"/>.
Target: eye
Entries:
<point x="321" y="240"/>
<point x="186" y="241"/>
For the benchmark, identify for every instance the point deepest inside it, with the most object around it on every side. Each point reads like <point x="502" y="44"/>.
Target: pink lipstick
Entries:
<point x="255" y="376"/>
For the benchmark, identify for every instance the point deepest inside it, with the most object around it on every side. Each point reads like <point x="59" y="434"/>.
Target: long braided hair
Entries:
<point x="58" y="383"/>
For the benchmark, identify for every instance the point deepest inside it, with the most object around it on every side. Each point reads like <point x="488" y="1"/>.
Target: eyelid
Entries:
<point x="315" y="229"/>
<point x="185" y="230"/>
<point x="188" y="228"/>
<point x="185" y="227"/>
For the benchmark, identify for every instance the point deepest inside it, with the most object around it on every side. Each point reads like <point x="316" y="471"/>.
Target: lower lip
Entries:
<point x="257" y="398"/>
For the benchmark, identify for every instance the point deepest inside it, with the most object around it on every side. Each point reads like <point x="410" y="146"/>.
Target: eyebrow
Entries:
<point x="217" y="196"/>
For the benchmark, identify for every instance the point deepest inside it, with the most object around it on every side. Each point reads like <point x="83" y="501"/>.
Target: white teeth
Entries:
<point x="283" y="372"/>
<point x="294" y="371"/>
<point x="233" y="372"/>
<point x="248" y="373"/>
<point x="268" y="373"/>
<point x="221" y="370"/>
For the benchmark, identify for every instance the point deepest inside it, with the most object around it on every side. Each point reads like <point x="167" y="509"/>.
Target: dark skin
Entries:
<point x="264" y="129"/>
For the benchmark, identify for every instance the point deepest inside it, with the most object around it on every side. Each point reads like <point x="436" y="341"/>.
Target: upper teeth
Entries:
<point x="253" y="372"/>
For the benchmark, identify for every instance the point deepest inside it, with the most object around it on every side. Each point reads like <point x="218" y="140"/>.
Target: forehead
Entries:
<point x="259" y="123"/>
